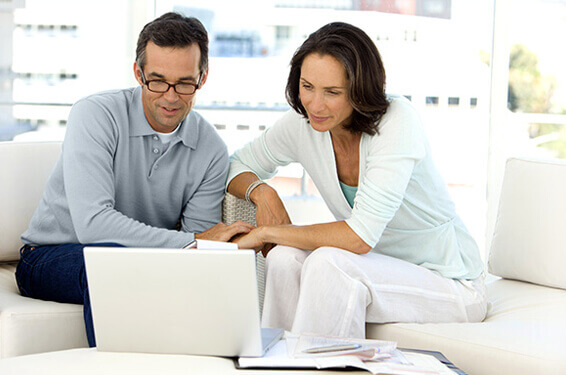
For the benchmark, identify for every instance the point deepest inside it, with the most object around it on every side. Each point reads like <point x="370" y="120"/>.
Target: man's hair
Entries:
<point x="354" y="49"/>
<point x="174" y="30"/>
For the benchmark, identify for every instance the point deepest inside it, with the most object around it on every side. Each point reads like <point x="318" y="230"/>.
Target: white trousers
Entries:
<point x="335" y="292"/>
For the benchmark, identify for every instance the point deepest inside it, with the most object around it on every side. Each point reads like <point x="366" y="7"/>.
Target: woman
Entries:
<point x="397" y="252"/>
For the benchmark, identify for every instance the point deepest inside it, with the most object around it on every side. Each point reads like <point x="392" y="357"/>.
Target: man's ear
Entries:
<point x="137" y="73"/>
<point x="203" y="79"/>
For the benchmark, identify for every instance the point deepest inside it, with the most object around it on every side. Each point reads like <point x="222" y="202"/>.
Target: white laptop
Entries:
<point x="202" y="302"/>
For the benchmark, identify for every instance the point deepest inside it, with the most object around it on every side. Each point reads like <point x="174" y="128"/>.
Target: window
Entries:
<point x="438" y="54"/>
<point x="431" y="100"/>
<point x="453" y="101"/>
<point x="528" y="89"/>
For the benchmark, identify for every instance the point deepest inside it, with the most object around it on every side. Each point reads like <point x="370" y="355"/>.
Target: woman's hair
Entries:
<point x="353" y="48"/>
<point x="174" y="30"/>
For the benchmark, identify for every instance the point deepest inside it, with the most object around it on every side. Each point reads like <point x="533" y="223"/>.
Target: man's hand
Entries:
<point x="223" y="232"/>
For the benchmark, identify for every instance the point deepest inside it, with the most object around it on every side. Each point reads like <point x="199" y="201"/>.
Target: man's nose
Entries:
<point x="171" y="94"/>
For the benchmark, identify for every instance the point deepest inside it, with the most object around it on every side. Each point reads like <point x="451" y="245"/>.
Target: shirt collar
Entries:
<point x="139" y="126"/>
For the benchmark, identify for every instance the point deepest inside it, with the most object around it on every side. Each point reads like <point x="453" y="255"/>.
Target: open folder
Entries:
<point x="284" y="355"/>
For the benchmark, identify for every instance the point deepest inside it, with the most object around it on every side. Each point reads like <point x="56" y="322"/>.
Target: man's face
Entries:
<point x="165" y="111"/>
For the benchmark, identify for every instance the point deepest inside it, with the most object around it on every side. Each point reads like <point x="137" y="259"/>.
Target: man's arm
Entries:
<point x="88" y="164"/>
<point x="204" y="208"/>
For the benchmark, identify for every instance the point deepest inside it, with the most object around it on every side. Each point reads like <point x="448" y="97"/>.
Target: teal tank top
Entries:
<point x="349" y="192"/>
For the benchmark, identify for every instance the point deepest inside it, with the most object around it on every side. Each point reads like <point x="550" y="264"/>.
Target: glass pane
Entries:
<point x="537" y="79"/>
<point x="436" y="54"/>
<point x="548" y="138"/>
<point x="50" y="58"/>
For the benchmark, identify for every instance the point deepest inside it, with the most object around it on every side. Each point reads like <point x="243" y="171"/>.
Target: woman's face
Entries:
<point x="323" y="89"/>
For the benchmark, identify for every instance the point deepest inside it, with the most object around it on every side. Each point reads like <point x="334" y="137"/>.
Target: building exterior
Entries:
<point x="7" y="121"/>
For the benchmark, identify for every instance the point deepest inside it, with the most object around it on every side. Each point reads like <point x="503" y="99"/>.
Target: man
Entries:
<point x="136" y="164"/>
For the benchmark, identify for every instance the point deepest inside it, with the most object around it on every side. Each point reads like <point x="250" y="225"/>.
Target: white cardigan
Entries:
<point x="402" y="207"/>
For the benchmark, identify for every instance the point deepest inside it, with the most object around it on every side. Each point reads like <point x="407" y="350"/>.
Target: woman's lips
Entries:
<point x="318" y="119"/>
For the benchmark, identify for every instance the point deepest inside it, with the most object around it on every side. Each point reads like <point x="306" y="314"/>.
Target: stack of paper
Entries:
<point x="387" y="359"/>
<point x="311" y="346"/>
<point x="211" y="245"/>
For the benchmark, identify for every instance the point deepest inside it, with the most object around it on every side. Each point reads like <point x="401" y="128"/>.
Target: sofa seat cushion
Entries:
<point x="30" y="326"/>
<point x="524" y="333"/>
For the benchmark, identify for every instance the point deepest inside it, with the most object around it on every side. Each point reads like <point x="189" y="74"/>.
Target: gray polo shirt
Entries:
<point x="114" y="183"/>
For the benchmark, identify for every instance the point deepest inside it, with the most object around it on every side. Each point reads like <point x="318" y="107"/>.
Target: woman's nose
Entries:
<point x="317" y="102"/>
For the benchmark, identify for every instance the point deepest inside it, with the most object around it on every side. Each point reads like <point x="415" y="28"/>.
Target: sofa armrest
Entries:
<point x="24" y="173"/>
<point x="233" y="209"/>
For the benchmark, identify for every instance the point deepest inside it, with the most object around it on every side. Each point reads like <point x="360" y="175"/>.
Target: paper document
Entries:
<point x="323" y="346"/>
<point x="394" y="363"/>
<point x="211" y="245"/>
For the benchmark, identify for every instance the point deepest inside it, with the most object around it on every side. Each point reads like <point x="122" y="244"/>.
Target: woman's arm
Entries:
<point x="269" y="207"/>
<point x="308" y="237"/>
<point x="275" y="147"/>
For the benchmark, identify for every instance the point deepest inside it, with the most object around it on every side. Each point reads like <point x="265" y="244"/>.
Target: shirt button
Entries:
<point x="155" y="138"/>
<point x="156" y="151"/>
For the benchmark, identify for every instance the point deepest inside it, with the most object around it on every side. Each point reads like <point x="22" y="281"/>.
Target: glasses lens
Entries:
<point x="185" y="88"/>
<point x="157" y="86"/>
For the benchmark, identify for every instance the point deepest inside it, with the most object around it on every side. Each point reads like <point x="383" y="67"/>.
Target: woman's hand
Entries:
<point x="270" y="209"/>
<point x="223" y="232"/>
<point x="251" y="240"/>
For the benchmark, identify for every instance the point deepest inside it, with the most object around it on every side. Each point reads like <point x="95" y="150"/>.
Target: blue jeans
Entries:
<point x="57" y="273"/>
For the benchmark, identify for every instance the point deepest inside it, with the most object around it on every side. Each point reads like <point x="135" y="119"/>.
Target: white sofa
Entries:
<point x="525" y="329"/>
<point x="524" y="332"/>
<point x="27" y="325"/>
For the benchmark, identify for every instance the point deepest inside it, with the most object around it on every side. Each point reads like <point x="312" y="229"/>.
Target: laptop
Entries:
<point x="201" y="302"/>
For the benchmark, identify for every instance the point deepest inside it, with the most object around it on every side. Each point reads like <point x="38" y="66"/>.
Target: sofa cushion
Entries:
<point x="29" y="326"/>
<point x="524" y="333"/>
<point x="26" y="167"/>
<point x="528" y="239"/>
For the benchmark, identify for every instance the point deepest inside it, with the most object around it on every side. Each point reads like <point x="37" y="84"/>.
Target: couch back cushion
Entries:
<point x="24" y="170"/>
<point x="529" y="238"/>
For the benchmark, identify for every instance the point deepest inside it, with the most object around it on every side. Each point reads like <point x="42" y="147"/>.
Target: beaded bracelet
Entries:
<point x="252" y="186"/>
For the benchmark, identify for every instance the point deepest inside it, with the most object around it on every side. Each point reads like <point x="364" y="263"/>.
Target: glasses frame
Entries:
<point x="169" y="85"/>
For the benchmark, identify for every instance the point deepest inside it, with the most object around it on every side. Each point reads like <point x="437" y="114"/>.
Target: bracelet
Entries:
<point x="252" y="186"/>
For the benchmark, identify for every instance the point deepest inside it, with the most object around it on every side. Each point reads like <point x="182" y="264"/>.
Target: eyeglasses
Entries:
<point x="159" y="86"/>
